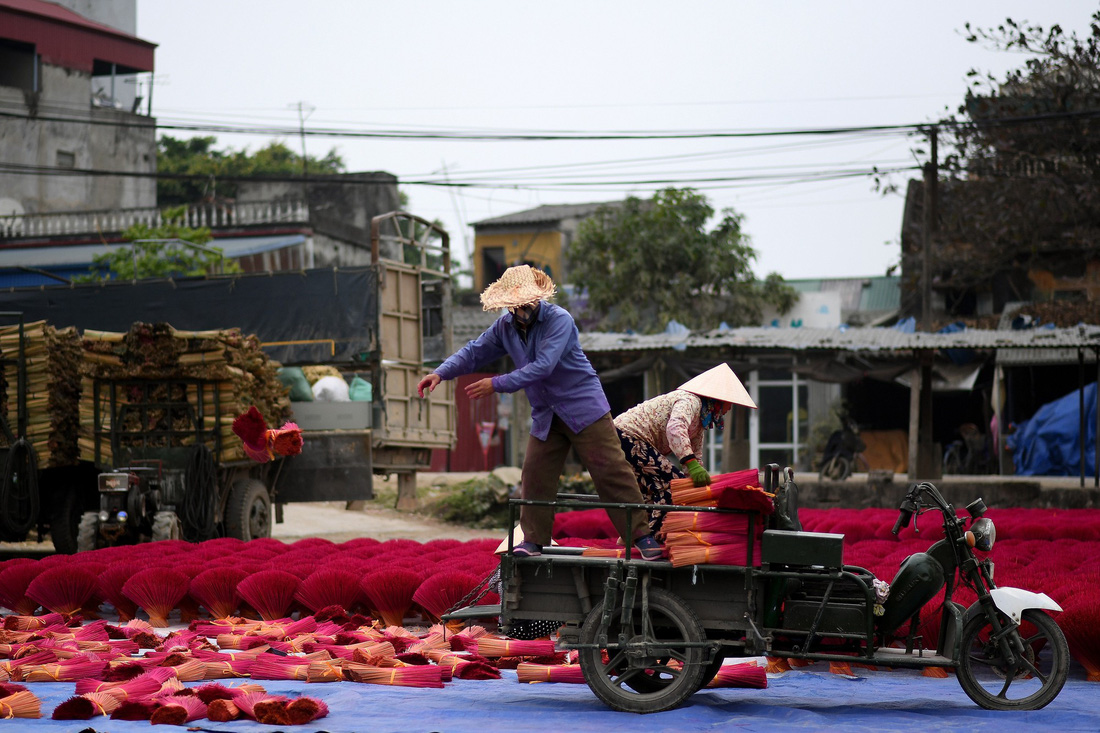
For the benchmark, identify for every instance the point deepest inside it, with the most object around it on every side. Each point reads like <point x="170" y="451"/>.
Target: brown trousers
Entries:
<point x="601" y="453"/>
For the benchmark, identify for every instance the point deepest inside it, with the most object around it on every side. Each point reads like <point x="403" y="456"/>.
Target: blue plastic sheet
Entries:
<point x="1049" y="444"/>
<point x="808" y="698"/>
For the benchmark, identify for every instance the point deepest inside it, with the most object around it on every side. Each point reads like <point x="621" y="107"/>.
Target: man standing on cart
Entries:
<point x="568" y="405"/>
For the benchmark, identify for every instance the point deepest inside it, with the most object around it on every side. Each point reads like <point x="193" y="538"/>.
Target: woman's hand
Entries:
<point x="699" y="475"/>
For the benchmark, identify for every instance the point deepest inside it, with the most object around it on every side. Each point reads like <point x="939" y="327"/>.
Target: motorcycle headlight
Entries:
<point x="982" y="534"/>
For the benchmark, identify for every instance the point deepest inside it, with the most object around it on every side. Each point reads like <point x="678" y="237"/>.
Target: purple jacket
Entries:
<point x="551" y="367"/>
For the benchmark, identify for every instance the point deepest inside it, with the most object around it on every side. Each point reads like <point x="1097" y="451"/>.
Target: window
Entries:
<point x="780" y="429"/>
<point x="65" y="159"/>
<point x="492" y="265"/>
<point x="18" y="66"/>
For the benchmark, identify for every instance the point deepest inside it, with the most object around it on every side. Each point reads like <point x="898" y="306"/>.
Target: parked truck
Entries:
<point x="383" y="322"/>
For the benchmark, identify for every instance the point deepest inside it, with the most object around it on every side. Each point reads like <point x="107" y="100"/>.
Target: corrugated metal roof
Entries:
<point x="851" y="339"/>
<point x="54" y="256"/>
<point x="545" y="213"/>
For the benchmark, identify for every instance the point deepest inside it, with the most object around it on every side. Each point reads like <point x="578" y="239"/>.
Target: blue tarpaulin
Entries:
<point x="1049" y="444"/>
<point x="808" y="698"/>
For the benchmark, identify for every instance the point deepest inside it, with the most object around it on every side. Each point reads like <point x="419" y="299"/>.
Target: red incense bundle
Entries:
<point x="21" y="704"/>
<point x="63" y="589"/>
<point x="706" y="522"/>
<point x="389" y="592"/>
<point x="270" y="592"/>
<point x="442" y="591"/>
<point x="157" y="590"/>
<point x="684" y="555"/>
<point x="329" y="587"/>
<point x="178" y="711"/>
<point x="302" y="710"/>
<point x="489" y="646"/>
<point x="14" y="580"/>
<point x="427" y="676"/>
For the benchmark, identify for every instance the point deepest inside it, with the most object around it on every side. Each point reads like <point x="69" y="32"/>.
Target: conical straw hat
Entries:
<point x="518" y="286"/>
<point x="719" y="383"/>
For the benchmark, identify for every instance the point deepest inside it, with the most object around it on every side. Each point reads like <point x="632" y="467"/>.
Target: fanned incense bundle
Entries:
<point x="569" y="673"/>
<point x="442" y="591"/>
<point x="157" y="590"/>
<point x="222" y="711"/>
<point x="248" y="701"/>
<point x="14" y="580"/>
<point x="110" y="582"/>
<point x="270" y="592"/>
<point x="389" y="592"/>
<point x="63" y="589"/>
<point x="740" y="675"/>
<point x="329" y="587"/>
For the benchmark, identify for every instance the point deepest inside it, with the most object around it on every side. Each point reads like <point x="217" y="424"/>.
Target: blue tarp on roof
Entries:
<point x="1049" y="444"/>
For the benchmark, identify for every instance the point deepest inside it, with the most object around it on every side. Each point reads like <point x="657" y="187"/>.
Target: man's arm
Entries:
<point x="559" y="330"/>
<point x="485" y="348"/>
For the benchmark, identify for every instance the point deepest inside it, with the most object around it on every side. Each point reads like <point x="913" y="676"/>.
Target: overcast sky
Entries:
<point x="595" y="67"/>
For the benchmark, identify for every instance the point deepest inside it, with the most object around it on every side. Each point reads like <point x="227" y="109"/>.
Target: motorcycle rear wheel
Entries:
<point x="1033" y="682"/>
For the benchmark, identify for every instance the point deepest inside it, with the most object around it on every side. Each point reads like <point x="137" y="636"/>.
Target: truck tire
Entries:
<point x="248" y="511"/>
<point x="87" y="533"/>
<point x="166" y="526"/>
<point x="65" y="521"/>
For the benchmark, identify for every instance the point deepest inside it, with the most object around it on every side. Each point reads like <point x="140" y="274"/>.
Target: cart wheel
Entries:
<point x="712" y="669"/>
<point x="65" y="522"/>
<point x="1032" y="682"/>
<point x="87" y="534"/>
<point x="645" y="681"/>
<point x="248" y="512"/>
<point x="166" y="526"/>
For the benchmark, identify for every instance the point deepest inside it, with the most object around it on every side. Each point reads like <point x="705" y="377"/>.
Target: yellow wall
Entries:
<point x="541" y="249"/>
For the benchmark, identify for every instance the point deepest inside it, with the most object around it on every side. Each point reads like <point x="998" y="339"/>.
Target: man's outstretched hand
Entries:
<point x="429" y="383"/>
<point x="480" y="388"/>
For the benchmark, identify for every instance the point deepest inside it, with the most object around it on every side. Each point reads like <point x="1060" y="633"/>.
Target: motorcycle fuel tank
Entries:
<point x="918" y="579"/>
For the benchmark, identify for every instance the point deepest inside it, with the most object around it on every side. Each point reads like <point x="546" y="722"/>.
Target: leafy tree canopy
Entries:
<point x="646" y="262"/>
<point x="1019" y="181"/>
<point x="197" y="156"/>
<point x="162" y="251"/>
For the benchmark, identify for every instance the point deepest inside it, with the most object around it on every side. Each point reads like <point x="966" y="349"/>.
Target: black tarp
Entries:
<point x="331" y="314"/>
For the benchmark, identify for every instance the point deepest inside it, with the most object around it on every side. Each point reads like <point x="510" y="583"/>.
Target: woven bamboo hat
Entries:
<point x="719" y="383"/>
<point x="518" y="286"/>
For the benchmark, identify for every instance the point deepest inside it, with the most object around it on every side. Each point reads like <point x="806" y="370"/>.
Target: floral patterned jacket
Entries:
<point x="669" y="422"/>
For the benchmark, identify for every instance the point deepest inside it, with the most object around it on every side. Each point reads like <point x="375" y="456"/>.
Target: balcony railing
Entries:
<point x="214" y="216"/>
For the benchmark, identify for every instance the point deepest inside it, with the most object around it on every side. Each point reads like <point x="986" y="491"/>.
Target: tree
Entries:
<point x="1019" y="183"/>
<point x="161" y="252"/>
<point x="198" y="157"/>
<point x="645" y="262"/>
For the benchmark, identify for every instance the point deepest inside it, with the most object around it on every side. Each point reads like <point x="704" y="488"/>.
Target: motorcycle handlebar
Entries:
<point x="904" y="516"/>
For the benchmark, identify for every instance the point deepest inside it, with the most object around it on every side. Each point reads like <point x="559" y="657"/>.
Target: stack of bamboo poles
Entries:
<point x="231" y="370"/>
<point x="52" y="361"/>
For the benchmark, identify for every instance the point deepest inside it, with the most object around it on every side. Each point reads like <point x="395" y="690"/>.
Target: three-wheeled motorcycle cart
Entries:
<point x="649" y="635"/>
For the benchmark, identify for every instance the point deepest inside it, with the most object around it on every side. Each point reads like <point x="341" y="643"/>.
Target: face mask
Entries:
<point x="524" y="315"/>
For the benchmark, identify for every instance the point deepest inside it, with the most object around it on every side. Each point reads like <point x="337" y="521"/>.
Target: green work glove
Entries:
<point x="699" y="475"/>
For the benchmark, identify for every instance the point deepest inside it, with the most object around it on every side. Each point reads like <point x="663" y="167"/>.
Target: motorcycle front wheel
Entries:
<point x="1036" y="678"/>
<point x="836" y="468"/>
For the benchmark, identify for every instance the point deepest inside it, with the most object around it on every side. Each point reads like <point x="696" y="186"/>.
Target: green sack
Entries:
<point x="360" y="390"/>
<point x="295" y="380"/>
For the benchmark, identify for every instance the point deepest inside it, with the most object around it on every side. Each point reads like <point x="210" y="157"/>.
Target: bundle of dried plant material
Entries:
<point x="389" y="592"/>
<point x="741" y="675"/>
<point x="63" y="589"/>
<point x="412" y="676"/>
<point x="270" y="592"/>
<point x="157" y="590"/>
<point x="52" y="387"/>
<point x="569" y="673"/>
<point x="735" y="554"/>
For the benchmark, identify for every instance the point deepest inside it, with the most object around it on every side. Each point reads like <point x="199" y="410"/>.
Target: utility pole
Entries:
<point x="928" y="226"/>
<point x="304" y="111"/>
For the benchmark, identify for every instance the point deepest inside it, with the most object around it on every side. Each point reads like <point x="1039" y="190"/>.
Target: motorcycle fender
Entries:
<point x="1012" y="602"/>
